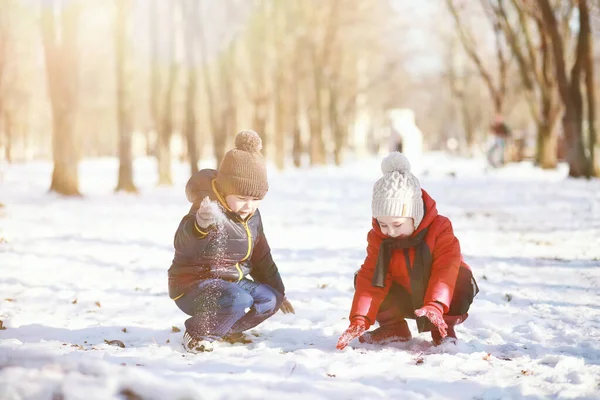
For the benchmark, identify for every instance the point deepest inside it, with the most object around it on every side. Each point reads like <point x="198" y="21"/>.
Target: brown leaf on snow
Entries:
<point x="2" y="327"/>
<point x="526" y="372"/>
<point x="74" y="301"/>
<point x="129" y="394"/>
<point x="419" y="360"/>
<point x="124" y="330"/>
<point x="505" y="358"/>
<point x="115" y="343"/>
<point x="10" y="300"/>
<point x="487" y="357"/>
<point x="175" y="329"/>
<point x="331" y="375"/>
<point x="98" y="304"/>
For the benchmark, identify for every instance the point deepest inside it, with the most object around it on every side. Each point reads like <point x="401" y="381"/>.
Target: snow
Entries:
<point x="77" y="272"/>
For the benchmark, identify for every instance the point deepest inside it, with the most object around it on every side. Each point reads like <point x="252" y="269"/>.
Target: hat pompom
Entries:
<point x="248" y="141"/>
<point x="395" y="161"/>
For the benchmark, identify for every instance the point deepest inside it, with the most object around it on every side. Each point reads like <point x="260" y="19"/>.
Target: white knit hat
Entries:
<point x="398" y="192"/>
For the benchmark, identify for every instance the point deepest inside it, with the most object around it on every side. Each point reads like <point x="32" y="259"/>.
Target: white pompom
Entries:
<point x="395" y="161"/>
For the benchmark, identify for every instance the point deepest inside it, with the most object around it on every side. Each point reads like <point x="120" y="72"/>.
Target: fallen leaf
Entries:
<point x="98" y="304"/>
<point x="322" y="286"/>
<point x="115" y="343"/>
<point x="2" y="327"/>
<point x="331" y="375"/>
<point x="128" y="394"/>
<point x="487" y="357"/>
<point x="175" y="329"/>
<point x="526" y="372"/>
<point x="508" y="297"/>
<point x="124" y="330"/>
<point x="74" y="301"/>
<point x="168" y="341"/>
<point x="11" y="300"/>
<point x="419" y="360"/>
<point x="505" y="358"/>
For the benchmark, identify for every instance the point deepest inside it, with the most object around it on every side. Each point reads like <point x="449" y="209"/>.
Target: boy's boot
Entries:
<point x="392" y="328"/>
<point x="196" y="344"/>
<point x="451" y="321"/>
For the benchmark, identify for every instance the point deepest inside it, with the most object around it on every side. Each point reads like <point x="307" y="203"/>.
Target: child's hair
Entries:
<point x="398" y="192"/>
<point x="243" y="170"/>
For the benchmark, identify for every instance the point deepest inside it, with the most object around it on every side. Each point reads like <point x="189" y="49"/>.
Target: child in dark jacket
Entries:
<point x="413" y="269"/>
<point x="221" y="242"/>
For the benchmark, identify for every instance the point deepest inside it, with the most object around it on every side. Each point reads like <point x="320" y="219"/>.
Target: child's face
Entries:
<point x="242" y="205"/>
<point x="396" y="226"/>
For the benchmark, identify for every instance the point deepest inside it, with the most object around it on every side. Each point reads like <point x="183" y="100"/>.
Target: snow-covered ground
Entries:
<point x="75" y="273"/>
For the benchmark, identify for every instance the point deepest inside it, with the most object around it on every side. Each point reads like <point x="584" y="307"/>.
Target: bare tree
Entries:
<point x="5" y="31"/>
<point x="59" y="30"/>
<point x="190" y="17"/>
<point x="587" y="49"/>
<point x="497" y="89"/>
<point x="534" y="60"/>
<point x="123" y="101"/>
<point x="569" y="87"/>
<point x="163" y="89"/>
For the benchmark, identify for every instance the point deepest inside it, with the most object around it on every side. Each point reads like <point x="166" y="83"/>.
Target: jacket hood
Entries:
<point x="200" y="185"/>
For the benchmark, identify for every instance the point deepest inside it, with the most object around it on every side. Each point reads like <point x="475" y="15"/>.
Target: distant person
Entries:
<point x="218" y="244"/>
<point x="395" y="140"/>
<point x="500" y="133"/>
<point x="414" y="268"/>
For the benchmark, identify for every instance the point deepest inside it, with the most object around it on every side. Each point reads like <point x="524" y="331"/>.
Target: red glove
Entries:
<point x="357" y="327"/>
<point x="434" y="312"/>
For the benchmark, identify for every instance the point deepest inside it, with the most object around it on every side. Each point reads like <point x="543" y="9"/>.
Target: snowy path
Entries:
<point x="77" y="272"/>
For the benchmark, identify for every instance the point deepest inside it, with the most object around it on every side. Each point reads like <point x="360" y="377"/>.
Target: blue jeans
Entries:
<point x="495" y="154"/>
<point x="218" y="307"/>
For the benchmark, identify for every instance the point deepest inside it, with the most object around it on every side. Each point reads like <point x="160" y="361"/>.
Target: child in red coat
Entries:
<point x="413" y="269"/>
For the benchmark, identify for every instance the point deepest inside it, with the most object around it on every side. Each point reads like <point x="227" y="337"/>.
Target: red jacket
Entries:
<point x="446" y="261"/>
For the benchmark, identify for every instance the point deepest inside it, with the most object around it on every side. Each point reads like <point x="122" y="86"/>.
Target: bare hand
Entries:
<point x="286" y="307"/>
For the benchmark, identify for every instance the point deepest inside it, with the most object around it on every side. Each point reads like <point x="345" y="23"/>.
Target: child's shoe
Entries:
<point x="397" y="332"/>
<point x="451" y="321"/>
<point x="196" y="345"/>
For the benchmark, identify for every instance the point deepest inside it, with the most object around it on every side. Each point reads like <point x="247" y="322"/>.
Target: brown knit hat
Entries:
<point x="243" y="170"/>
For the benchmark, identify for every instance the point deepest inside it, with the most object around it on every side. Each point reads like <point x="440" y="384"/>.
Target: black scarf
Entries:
<point x="419" y="273"/>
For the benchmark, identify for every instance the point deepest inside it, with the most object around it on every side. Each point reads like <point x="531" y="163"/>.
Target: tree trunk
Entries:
<point x="8" y="127"/>
<point x="166" y="131"/>
<point x="189" y="16"/>
<point x="547" y="147"/>
<point x="62" y="72"/>
<point x="591" y="103"/>
<point x="317" y="144"/>
<point x="190" y="119"/>
<point x="166" y="125"/>
<point x="569" y="88"/>
<point x="467" y="124"/>
<point x="280" y="120"/>
<point x="259" y="121"/>
<point x="65" y="176"/>
<point x="123" y="108"/>
<point x="297" y="145"/>
<point x="153" y="25"/>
